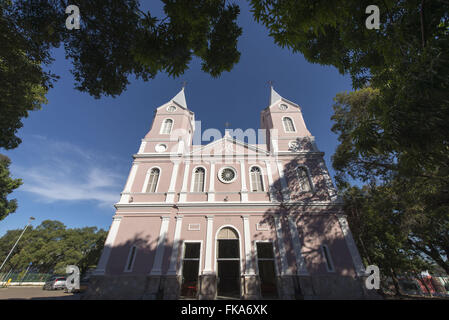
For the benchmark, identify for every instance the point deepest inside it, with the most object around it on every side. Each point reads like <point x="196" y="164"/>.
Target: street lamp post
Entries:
<point x="15" y="244"/>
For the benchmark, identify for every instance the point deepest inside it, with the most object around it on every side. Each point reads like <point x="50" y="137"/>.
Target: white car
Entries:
<point x="55" y="283"/>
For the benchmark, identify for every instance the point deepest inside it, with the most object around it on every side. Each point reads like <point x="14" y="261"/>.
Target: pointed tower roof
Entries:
<point x="180" y="98"/>
<point x="274" y="96"/>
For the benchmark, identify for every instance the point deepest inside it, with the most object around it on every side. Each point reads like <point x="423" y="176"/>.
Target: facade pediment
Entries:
<point x="229" y="146"/>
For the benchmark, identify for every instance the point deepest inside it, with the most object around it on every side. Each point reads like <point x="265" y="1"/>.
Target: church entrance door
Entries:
<point x="228" y="263"/>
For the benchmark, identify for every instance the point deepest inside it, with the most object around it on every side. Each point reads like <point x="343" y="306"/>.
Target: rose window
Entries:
<point x="227" y="175"/>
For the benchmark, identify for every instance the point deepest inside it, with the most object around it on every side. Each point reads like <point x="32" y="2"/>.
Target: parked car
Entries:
<point x="55" y="283"/>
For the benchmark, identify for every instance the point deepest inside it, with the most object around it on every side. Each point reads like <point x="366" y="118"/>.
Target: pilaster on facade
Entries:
<point x="183" y="193"/>
<point x="181" y="147"/>
<point x="285" y="191"/>
<point x="175" y="250"/>
<point x="271" y="188"/>
<point x="209" y="243"/>
<point x="301" y="268"/>
<point x="160" y="249"/>
<point x="281" y="246"/>
<point x="125" y="196"/>
<point x="112" y="234"/>
<point x="143" y="144"/>
<point x="244" y="189"/>
<point x="329" y="185"/>
<point x="249" y="267"/>
<point x="357" y="261"/>
<point x="171" y="189"/>
<point x="211" y="191"/>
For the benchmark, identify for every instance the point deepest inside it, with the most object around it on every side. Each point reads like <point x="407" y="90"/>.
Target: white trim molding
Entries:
<point x="270" y="181"/>
<point x="301" y="268"/>
<point x="183" y="193"/>
<point x="244" y="189"/>
<point x="194" y="227"/>
<point x="209" y="243"/>
<point x="129" y="182"/>
<point x="175" y="248"/>
<point x="249" y="267"/>
<point x="157" y="265"/>
<point x="280" y="243"/>
<point x="171" y="189"/>
<point x="285" y="191"/>
<point x="143" y="144"/>
<point x="357" y="261"/>
<point x="211" y="192"/>
<point x="112" y="234"/>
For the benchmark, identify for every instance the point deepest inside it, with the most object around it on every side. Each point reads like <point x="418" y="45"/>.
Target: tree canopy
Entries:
<point x="51" y="246"/>
<point x="7" y="186"/>
<point x="116" y="41"/>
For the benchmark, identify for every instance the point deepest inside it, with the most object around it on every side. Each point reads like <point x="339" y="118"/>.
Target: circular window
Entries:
<point x="283" y="107"/>
<point x="171" y="109"/>
<point x="293" y="145"/>
<point x="227" y="174"/>
<point x="161" y="147"/>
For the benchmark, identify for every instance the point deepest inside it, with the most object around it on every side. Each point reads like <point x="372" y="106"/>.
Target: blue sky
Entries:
<point x="77" y="151"/>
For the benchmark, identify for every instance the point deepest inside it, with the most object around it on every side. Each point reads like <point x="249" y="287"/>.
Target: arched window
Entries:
<point x="228" y="233"/>
<point x="256" y="179"/>
<point x="288" y="124"/>
<point x="305" y="184"/>
<point x="327" y="258"/>
<point x="153" y="180"/>
<point x="167" y="126"/>
<point x="131" y="258"/>
<point x="198" y="180"/>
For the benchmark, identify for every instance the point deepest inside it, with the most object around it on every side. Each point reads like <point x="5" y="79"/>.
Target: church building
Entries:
<point x="229" y="219"/>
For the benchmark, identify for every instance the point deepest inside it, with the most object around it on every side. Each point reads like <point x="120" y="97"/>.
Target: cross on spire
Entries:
<point x="184" y="83"/>
<point x="270" y="83"/>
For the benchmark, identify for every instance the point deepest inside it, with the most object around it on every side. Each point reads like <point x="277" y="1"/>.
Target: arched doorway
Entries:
<point x="228" y="263"/>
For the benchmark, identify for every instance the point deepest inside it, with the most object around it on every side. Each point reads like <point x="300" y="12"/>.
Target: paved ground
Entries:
<point x="35" y="293"/>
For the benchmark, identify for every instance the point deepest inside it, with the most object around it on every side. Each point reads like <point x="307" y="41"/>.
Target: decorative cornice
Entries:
<point x="237" y="157"/>
<point x="231" y="204"/>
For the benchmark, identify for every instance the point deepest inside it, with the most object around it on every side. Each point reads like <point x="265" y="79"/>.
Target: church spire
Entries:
<point x="180" y="98"/>
<point x="274" y="96"/>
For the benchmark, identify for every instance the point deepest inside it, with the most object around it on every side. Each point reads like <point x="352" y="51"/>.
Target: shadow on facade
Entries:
<point x="306" y="220"/>
<point x="314" y="214"/>
<point x="137" y="277"/>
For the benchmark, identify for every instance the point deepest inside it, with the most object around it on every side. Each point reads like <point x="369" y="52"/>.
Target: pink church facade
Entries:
<point x="229" y="218"/>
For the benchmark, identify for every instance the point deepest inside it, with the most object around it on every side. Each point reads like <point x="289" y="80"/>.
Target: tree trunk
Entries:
<point x="395" y="279"/>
